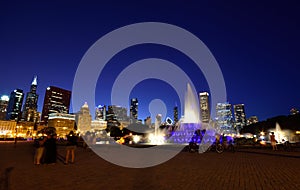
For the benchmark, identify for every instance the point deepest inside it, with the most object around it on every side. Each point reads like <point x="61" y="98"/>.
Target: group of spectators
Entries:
<point x="46" y="149"/>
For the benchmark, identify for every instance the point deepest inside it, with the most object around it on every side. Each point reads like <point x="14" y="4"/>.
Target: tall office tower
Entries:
<point x="134" y="109"/>
<point x="204" y="107"/>
<point x="111" y="118"/>
<point x="239" y="116"/>
<point x="117" y="112"/>
<point x="3" y="106"/>
<point x="57" y="100"/>
<point x="175" y="113"/>
<point x="84" y="119"/>
<point x="115" y="115"/>
<point x="15" y="105"/>
<point x="100" y="113"/>
<point x="30" y="106"/>
<point x="224" y="117"/>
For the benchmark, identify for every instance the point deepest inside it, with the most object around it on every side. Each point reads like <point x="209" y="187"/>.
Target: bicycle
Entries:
<point x="218" y="147"/>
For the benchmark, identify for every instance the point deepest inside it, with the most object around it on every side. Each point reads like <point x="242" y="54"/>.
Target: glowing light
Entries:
<point x="136" y="138"/>
<point x="263" y="142"/>
<point x="3" y="132"/>
<point x="156" y="139"/>
<point x="4" y="98"/>
<point x="121" y="140"/>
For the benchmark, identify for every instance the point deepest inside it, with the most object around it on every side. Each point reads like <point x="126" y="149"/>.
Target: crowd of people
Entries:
<point x="46" y="149"/>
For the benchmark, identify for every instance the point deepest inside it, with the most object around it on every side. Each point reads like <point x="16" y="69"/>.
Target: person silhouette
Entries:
<point x="50" y="149"/>
<point x="273" y="141"/>
<point x="71" y="146"/>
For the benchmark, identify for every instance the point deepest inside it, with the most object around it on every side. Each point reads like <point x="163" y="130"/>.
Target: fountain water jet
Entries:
<point x="191" y="107"/>
<point x="281" y="135"/>
<point x="191" y="119"/>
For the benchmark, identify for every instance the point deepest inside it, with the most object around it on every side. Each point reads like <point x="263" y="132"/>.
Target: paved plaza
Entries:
<point x="245" y="169"/>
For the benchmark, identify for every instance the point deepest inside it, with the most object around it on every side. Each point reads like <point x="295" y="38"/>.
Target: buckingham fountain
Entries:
<point x="190" y="121"/>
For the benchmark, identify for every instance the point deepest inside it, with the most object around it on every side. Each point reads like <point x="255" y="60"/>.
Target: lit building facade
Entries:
<point x="100" y="113"/>
<point x="239" y="116"/>
<point x="12" y="129"/>
<point x="25" y="129"/>
<point x="134" y="109"/>
<point x="98" y="125"/>
<point x="224" y="117"/>
<point x="84" y="119"/>
<point x="252" y="120"/>
<point x="30" y="106"/>
<point x="204" y="107"/>
<point x="117" y="113"/>
<point x="63" y="123"/>
<point x="3" y="106"/>
<point x="7" y="129"/>
<point x="15" y="105"/>
<point x="57" y="100"/>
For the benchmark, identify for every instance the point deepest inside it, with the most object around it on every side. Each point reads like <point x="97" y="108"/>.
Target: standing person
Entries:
<point x="50" y="149"/>
<point x="273" y="141"/>
<point x="39" y="145"/>
<point x="71" y="145"/>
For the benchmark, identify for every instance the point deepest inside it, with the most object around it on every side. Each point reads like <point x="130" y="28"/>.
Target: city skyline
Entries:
<point x="255" y="46"/>
<point x="61" y="98"/>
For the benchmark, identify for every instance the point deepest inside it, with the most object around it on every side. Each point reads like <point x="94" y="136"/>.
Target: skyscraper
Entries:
<point x="116" y="115"/>
<point x="57" y="100"/>
<point x="84" y="118"/>
<point x="100" y="113"/>
<point x="224" y="117"/>
<point x="30" y="106"/>
<point x="3" y="106"/>
<point x="134" y="109"/>
<point x="204" y="107"/>
<point x="15" y="105"/>
<point x="117" y="112"/>
<point x="175" y="113"/>
<point x="239" y="116"/>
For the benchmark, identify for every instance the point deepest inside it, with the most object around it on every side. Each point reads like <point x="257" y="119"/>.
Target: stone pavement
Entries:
<point x="245" y="169"/>
<point x="294" y="153"/>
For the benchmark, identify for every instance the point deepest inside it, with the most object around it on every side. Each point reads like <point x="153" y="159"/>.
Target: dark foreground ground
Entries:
<point x="245" y="169"/>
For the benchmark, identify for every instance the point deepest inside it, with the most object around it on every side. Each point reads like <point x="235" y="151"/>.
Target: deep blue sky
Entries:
<point x="255" y="44"/>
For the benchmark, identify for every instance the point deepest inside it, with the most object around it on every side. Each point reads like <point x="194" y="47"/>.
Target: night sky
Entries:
<point x="255" y="44"/>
